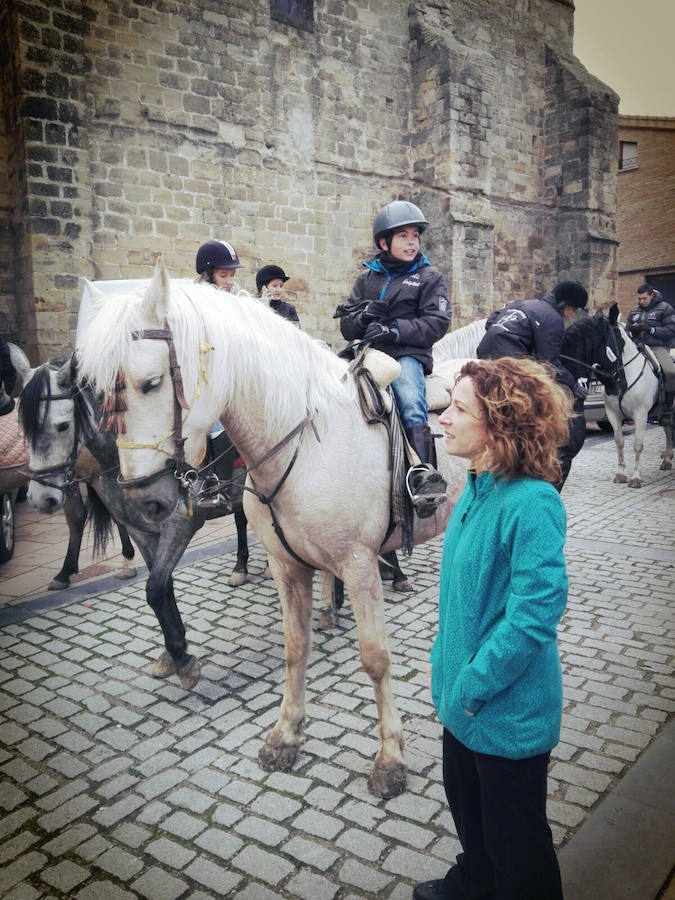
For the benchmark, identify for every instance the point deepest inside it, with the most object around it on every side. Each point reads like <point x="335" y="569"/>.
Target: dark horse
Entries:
<point x="58" y="416"/>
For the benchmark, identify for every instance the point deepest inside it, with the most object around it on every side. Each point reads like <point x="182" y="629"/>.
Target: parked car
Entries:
<point x="594" y="406"/>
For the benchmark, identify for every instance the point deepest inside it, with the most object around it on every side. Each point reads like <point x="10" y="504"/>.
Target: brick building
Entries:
<point x="131" y="129"/>
<point x="645" y="208"/>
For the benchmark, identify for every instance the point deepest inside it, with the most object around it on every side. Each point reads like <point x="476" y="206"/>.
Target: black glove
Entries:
<point x="639" y="328"/>
<point x="377" y="333"/>
<point x="580" y="389"/>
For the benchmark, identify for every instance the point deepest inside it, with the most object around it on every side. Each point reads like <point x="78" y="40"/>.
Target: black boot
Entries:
<point x="220" y="454"/>
<point x="667" y="412"/>
<point x="426" y="485"/>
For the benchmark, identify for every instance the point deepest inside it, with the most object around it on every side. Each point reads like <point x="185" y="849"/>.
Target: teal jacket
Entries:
<point x="503" y="591"/>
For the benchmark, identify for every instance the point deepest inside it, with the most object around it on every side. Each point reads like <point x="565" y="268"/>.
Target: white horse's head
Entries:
<point x="47" y="417"/>
<point x="235" y="357"/>
<point x="121" y="354"/>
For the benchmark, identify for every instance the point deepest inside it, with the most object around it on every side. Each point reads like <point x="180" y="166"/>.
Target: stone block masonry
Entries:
<point x="132" y="130"/>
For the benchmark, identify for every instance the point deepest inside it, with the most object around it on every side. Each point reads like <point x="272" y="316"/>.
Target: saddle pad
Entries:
<point x="440" y="383"/>
<point x="13" y="446"/>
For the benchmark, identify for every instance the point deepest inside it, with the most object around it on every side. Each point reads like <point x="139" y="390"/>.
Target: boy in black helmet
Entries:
<point x="216" y="264"/>
<point x="270" y="282"/>
<point x="402" y="308"/>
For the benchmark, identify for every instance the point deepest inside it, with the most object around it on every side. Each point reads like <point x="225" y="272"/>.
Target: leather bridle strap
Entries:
<point x="179" y="403"/>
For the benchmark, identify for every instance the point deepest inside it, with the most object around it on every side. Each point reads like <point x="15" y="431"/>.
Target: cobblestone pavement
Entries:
<point x="115" y="785"/>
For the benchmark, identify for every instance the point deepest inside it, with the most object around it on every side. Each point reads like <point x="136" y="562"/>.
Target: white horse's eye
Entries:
<point x="63" y="426"/>
<point x="151" y="383"/>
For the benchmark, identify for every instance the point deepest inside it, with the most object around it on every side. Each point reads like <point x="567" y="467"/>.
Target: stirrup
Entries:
<point x="429" y="492"/>
<point x="213" y="495"/>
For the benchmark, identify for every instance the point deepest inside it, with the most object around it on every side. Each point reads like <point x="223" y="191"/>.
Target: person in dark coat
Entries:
<point x="270" y="282"/>
<point x="7" y="378"/>
<point x="535" y="328"/>
<point x="400" y="306"/>
<point x="652" y="322"/>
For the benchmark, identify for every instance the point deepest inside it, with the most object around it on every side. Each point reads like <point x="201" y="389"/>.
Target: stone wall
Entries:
<point x="138" y="129"/>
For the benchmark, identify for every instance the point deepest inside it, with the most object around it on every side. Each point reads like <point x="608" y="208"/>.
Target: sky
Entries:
<point x="629" y="44"/>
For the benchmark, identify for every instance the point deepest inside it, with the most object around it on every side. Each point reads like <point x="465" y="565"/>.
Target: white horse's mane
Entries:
<point x="255" y="347"/>
<point x="460" y="344"/>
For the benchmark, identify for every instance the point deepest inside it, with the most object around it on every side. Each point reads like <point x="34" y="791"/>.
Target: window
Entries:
<point x="628" y="155"/>
<point x="298" y="13"/>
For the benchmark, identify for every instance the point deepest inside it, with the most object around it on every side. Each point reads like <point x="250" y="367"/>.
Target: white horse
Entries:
<point x="638" y="393"/>
<point x="461" y="343"/>
<point x="318" y="475"/>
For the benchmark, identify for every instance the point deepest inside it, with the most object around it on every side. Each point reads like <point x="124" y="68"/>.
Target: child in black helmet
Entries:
<point x="216" y="264"/>
<point x="401" y="307"/>
<point x="270" y="282"/>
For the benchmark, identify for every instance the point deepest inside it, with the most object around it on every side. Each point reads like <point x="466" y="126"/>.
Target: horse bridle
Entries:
<point x="70" y="477"/>
<point x="177" y="461"/>
<point x="187" y="476"/>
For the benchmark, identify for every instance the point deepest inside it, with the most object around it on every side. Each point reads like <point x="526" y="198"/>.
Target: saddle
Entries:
<point x="14" y="455"/>
<point x="374" y="371"/>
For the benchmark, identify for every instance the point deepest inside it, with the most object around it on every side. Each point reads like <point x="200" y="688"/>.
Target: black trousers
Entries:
<point x="499" y="808"/>
<point x="576" y="441"/>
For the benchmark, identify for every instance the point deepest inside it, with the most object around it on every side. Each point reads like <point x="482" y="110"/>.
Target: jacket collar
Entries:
<point x="376" y="265"/>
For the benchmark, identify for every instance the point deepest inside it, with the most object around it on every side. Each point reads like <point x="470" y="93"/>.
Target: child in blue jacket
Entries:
<point x="496" y="677"/>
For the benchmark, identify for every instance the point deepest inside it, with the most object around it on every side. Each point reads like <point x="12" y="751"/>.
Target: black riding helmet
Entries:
<point x="570" y="293"/>
<point x="397" y="214"/>
<point x="269" y="273"/>
<point x="216" y="255"/>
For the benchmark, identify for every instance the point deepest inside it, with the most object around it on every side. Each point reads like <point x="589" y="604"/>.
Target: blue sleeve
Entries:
<point x="533" y="543"/>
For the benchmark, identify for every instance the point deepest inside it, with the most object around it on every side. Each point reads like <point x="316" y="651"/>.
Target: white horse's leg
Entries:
<point x="295" y="592"/>
<point x="667" y="455"/>
<point x="616" y="421"/>
<point x="362" y="581"/>
<point x="640" y="419"/>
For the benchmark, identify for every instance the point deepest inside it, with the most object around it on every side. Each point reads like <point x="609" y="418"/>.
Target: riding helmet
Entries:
<point x="570" y="293"/>
<point x="397" y="214"/>
<point x="217" y="255"/>
<point x="269" y="273"/>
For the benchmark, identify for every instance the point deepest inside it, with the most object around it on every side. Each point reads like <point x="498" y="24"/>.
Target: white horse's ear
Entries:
<point x="24" y="373"/>
<point x="64" y="375"/>
<point x="614" y="313"/>
<point x="96" y="296"/>
<point x="156" y="299"/>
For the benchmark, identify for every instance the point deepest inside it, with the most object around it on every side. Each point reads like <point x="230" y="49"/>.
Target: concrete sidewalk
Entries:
<point x="115" y="785"/>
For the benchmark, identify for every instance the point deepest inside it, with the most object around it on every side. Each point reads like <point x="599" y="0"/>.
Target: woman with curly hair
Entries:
<point x="496" y="679"/>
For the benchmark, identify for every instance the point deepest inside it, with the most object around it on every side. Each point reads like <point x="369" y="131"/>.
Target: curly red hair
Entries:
<point x="526" y="415"/>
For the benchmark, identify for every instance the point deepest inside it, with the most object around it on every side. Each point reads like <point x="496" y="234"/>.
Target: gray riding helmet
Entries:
<point x="397" y="214"/>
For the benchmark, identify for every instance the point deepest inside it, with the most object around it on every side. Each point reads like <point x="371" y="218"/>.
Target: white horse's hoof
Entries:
<point x="236" y="579"/>
<point x="665" y="466"/>
<point x="635" y="483"/>
<point x="123" y="574"/>
<point x="619" y="478"/>
<point x="388" y="781"/>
